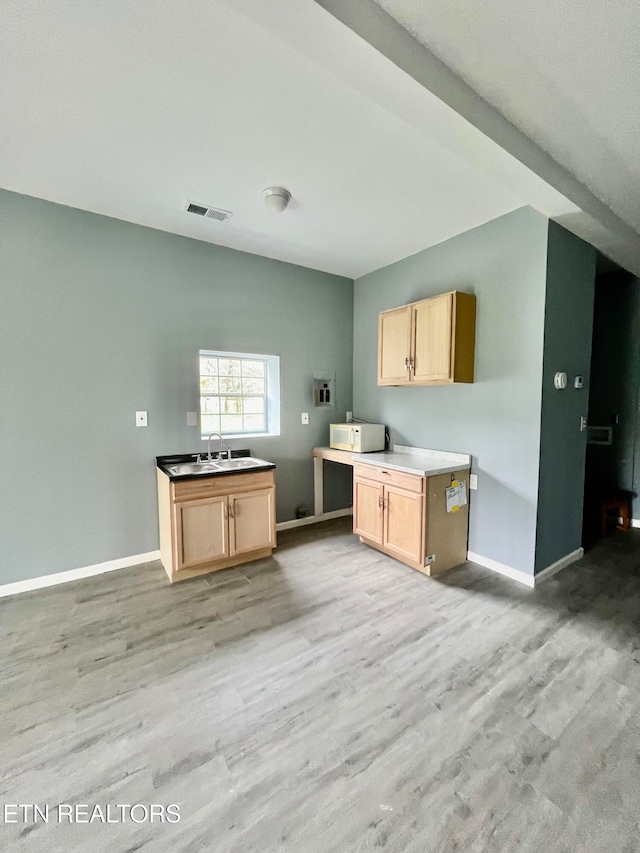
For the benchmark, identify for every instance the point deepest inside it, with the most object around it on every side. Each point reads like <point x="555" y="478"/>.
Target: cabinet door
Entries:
<point x="252" y="523"/>
<point x="367" y="509"/>
<point x="433" y="319"/>
<point x="403" y="523"/>
<point x="201" y="531"/>
<point x="394" y="346"/>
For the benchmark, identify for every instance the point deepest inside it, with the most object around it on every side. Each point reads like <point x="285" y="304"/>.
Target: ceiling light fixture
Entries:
<point x="276" y="198"/>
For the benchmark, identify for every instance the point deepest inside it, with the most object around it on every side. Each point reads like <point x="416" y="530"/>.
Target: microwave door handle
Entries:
<point x="352" y="442"/>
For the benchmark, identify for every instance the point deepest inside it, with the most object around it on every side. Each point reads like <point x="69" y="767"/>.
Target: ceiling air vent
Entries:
<point x="208" y="212"/>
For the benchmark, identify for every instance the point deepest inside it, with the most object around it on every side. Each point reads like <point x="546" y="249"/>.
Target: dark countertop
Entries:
<point x="164" y="462"/>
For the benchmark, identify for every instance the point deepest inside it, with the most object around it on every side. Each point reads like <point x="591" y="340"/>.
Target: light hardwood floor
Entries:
<point x="330" y="699"/>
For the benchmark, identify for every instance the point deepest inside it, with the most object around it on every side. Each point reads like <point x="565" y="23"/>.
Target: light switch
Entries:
<point x="141" y="419"/>
<point x="304" y="417"/>
<point x="473" y="481"/>
<point x="192" y="419"/>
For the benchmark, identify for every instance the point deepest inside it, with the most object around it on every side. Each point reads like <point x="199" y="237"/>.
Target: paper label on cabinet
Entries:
<point x="456" y="497"/>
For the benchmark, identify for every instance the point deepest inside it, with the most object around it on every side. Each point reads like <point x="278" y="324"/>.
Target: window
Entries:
<point x="239" y="393"/>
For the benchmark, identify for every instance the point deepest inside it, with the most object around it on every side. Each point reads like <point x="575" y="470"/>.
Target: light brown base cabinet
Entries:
<point x="431" y="342"/>
<point x="215" y="522"/>
<point x="405" y="516"/>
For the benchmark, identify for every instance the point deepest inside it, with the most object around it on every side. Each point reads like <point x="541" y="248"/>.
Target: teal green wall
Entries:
<point x="101" y="318"/>
<point x="497" y="419"/>
<point x="615" y="382"/>
<point x="568" y="325"/>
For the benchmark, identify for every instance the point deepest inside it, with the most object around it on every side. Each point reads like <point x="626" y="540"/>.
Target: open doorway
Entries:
<point x="612" y="471"/>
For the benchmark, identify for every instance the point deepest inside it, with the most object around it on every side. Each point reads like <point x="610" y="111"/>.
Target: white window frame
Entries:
<point x="272" y="396"/>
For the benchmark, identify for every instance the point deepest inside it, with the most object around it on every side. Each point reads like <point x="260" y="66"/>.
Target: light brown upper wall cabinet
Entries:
<point x="431" y="342"/>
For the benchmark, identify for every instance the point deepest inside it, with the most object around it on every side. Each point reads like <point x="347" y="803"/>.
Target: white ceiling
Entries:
<point x="566" y="74"/>
<point x="457" y="49"/>
<point x="130" y="109"/>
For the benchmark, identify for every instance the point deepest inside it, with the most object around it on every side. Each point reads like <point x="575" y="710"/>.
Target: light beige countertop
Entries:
<point x="411" y="460"/>
<point x="416" y="460"/>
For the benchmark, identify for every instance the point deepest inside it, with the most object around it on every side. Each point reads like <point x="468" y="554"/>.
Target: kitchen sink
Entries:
<point x="190" y="469"/>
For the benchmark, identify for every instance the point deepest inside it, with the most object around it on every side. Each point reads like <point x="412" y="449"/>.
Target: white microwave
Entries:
<point x="359" y="438"/>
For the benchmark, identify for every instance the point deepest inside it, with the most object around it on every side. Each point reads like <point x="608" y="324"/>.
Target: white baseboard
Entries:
<point x="314" y="519"/>
<point x="501" y="569"/>
<point x="578" y="554"/>
<point x="523" y="577"/>
<point x="77" y="574"/>
<point x="125" y="562"/>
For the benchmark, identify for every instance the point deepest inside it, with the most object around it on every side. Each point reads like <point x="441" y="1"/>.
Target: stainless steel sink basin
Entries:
<point x="184" y="468"/>
<point x="240" y="464"/>
<point x="190" y="469"/>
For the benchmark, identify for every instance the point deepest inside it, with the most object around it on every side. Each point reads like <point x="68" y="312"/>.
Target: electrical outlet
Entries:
<point x="141" y="419"/>
<point x="304" y="417"/>
<point x="192" y="419"/>
<point x="473" y="481"/>
<point x="349" y="417"/>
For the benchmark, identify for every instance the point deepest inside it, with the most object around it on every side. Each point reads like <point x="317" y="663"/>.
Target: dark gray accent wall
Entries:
<point x="615" y="383"/>
<point x="100" y="318"/>
<point x="568" y="325"/>
<point x="496" y="419"/>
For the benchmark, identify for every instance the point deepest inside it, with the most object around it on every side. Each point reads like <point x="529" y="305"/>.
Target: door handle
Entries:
<point x="231" y="510"/>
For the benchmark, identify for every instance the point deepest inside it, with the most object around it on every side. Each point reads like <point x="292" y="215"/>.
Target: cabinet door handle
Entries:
<point x="226" y="511"/>
<point x="381" y="501"/>
<point x="231" y="510"/>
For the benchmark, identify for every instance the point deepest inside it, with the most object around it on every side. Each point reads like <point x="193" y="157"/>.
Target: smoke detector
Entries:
<point x="208" y="212"/>
<point x="276" y="198"/>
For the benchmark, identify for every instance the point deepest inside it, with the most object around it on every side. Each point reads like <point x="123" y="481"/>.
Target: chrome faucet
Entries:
<point x="223" y="453"/>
